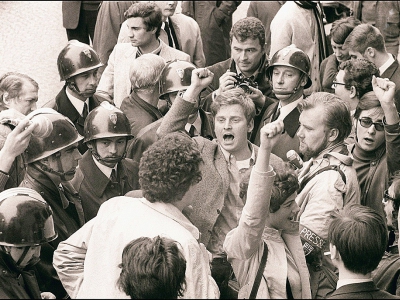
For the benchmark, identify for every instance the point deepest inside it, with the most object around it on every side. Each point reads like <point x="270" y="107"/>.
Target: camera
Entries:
<point x="245" y="83"/>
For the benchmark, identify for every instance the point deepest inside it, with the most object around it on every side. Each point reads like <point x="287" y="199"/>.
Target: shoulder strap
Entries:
<point x="330" y="167"/>
<point x="260" y="271"/>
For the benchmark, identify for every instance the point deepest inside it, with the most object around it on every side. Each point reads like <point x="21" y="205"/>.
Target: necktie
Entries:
<point x="85" y="110"/>
<point x="168" y="31"/>
<point x="276" y="116"/>
<point x="113" y="177"/>
<point x="192" y="131"/>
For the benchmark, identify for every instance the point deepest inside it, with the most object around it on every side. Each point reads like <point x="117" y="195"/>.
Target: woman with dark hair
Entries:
<point x="268" y="220"/>
<point x="330" y="66"/>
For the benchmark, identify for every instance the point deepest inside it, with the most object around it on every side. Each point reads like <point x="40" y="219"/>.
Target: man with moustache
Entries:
<point x="78" y="64"/>
<point x="327" y="180"/>
<point x="52" y="160"/>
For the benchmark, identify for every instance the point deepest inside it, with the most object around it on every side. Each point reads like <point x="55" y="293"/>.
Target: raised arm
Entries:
<point x="242" y="241"/>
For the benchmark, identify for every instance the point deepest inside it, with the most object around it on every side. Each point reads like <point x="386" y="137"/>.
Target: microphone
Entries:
<point x="295" y="159"/>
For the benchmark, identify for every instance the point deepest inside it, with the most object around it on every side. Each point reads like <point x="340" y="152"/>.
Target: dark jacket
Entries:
<point x="363" y="290"/>
<point x="16" y="284"/>
<point x="139" y="112"/>
<point x="220" y="68"/>
<point x="95" y="188"/>
<point x="328" y="70"/>
<point x="63" y="105"/>
<point x="215" y="22"/>
<point x="289" y="139"/>
<point x="68" y="218"/>
<point x="147" y="136"/>
<point x="393" y="73"/>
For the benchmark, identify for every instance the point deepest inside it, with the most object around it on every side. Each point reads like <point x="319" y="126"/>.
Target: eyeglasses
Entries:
<point x="335" y="84"/>
<point x="367" y="122"/>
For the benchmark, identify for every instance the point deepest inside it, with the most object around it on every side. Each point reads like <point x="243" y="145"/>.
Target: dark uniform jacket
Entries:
<point x="288" y="140"/>
<point x="95" y="188"/>
<point x="147" y="136"/>
<point x="363" y="290"/>
<point x="63" y="105"/>
<point x="68" y="218"/>
<point x="220" y="68"/>
<point x="393" y="73"/>
<point x="16" y="284"/>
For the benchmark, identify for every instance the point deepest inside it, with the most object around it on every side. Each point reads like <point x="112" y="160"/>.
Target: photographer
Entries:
<point x="19" y="94"/>
<point x="247" y="65"/>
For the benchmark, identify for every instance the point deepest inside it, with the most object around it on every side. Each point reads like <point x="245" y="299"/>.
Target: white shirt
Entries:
<point x="104" y="169"/>
<point x="196" y="124"/>
<point x="287" y="109"/>
<point x="387" y="64"/>
<point x="77" y="103"/>
<point x="87" y="262"/>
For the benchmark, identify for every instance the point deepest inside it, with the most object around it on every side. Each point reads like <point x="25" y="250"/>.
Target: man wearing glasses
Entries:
<point x="377" y="143"/>
<point x="353" y="84"/>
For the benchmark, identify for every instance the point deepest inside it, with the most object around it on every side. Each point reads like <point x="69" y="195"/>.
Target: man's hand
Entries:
<point x="257" y="97"/>
<point x="201" y="78"/>
<point x="384" y="89"/>
<point x="226" y="82"/>
<point x="270" y="134"/>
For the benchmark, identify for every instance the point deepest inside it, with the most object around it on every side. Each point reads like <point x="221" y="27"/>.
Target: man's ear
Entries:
<point x="353" y="92"/>
<point x="333" y="134"/>
<point x="334" y="253"/>
<point x="370" y="52"/>
<point x="250" y="125"/>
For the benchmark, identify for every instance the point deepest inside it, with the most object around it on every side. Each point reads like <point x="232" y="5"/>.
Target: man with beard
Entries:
<point x="228" y="161"/>
<point x="77" y="64"/>
<point x="104" y="172"/>
<point x="327" y="180"/>
<point x="52" y="160"/>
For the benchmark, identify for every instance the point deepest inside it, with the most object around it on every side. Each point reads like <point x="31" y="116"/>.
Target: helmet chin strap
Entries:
<point x="61" y="173"/>
<point x="106" y="160"/>
<point x="17" y="264"/>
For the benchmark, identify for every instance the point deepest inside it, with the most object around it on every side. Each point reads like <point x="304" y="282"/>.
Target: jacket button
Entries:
<point x="218" y="211"/>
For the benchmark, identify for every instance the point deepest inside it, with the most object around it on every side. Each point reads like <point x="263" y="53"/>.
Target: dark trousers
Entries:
<point x="221" y="271"/>
<point x="85" y="28"/>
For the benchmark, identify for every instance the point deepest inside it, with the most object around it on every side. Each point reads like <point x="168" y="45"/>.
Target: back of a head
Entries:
<point x="358" y="73"/>
<point x="145" y="71"/>
<point x="359" y="234"/>
<point x="149" y="12"/>
<point x="341" y="29"/>
<point x="364" y="36"/>
<point x="248" y="28"/>
<point x="337" y="114"/>
<point x="232" y="97"/>
<point x="169" y="167"/>
<point x="152" y="268"/>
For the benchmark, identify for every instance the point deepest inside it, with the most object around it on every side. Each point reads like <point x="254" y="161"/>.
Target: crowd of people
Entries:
<point x="189" y="157"/>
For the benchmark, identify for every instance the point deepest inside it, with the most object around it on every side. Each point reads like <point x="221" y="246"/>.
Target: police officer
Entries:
<point x="104" y="172"/>
<point x="289" y="72"/>
<point x="175" y="78"/>
<point x="52" y="159"/>
<point x="27" y="224"/>
<point x="78" y="65"/>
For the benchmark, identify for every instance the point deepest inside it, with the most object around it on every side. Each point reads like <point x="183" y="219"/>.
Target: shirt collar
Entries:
<point x="104" y="169"/>
<point x="174" y="213"/>
<point x="285" y="110"/>
<point x="77" y="103"/>
<point x="228" y="155"/>
<point x="387" y="64"/>
<point x="196" y="124"/>
<point x="342" y="282"/>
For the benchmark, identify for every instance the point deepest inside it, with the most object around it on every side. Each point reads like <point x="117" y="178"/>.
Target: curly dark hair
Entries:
<point x="152" y="268"/>
<point x="169" y="167"/>
<point x="246" y="28"/>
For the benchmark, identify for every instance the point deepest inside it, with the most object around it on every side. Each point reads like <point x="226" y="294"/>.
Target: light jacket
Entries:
<point x="244" y="246"/>
<point x="115" y="84"/>
<point x="87" y="262"/>
<point x="187" y="32"/>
